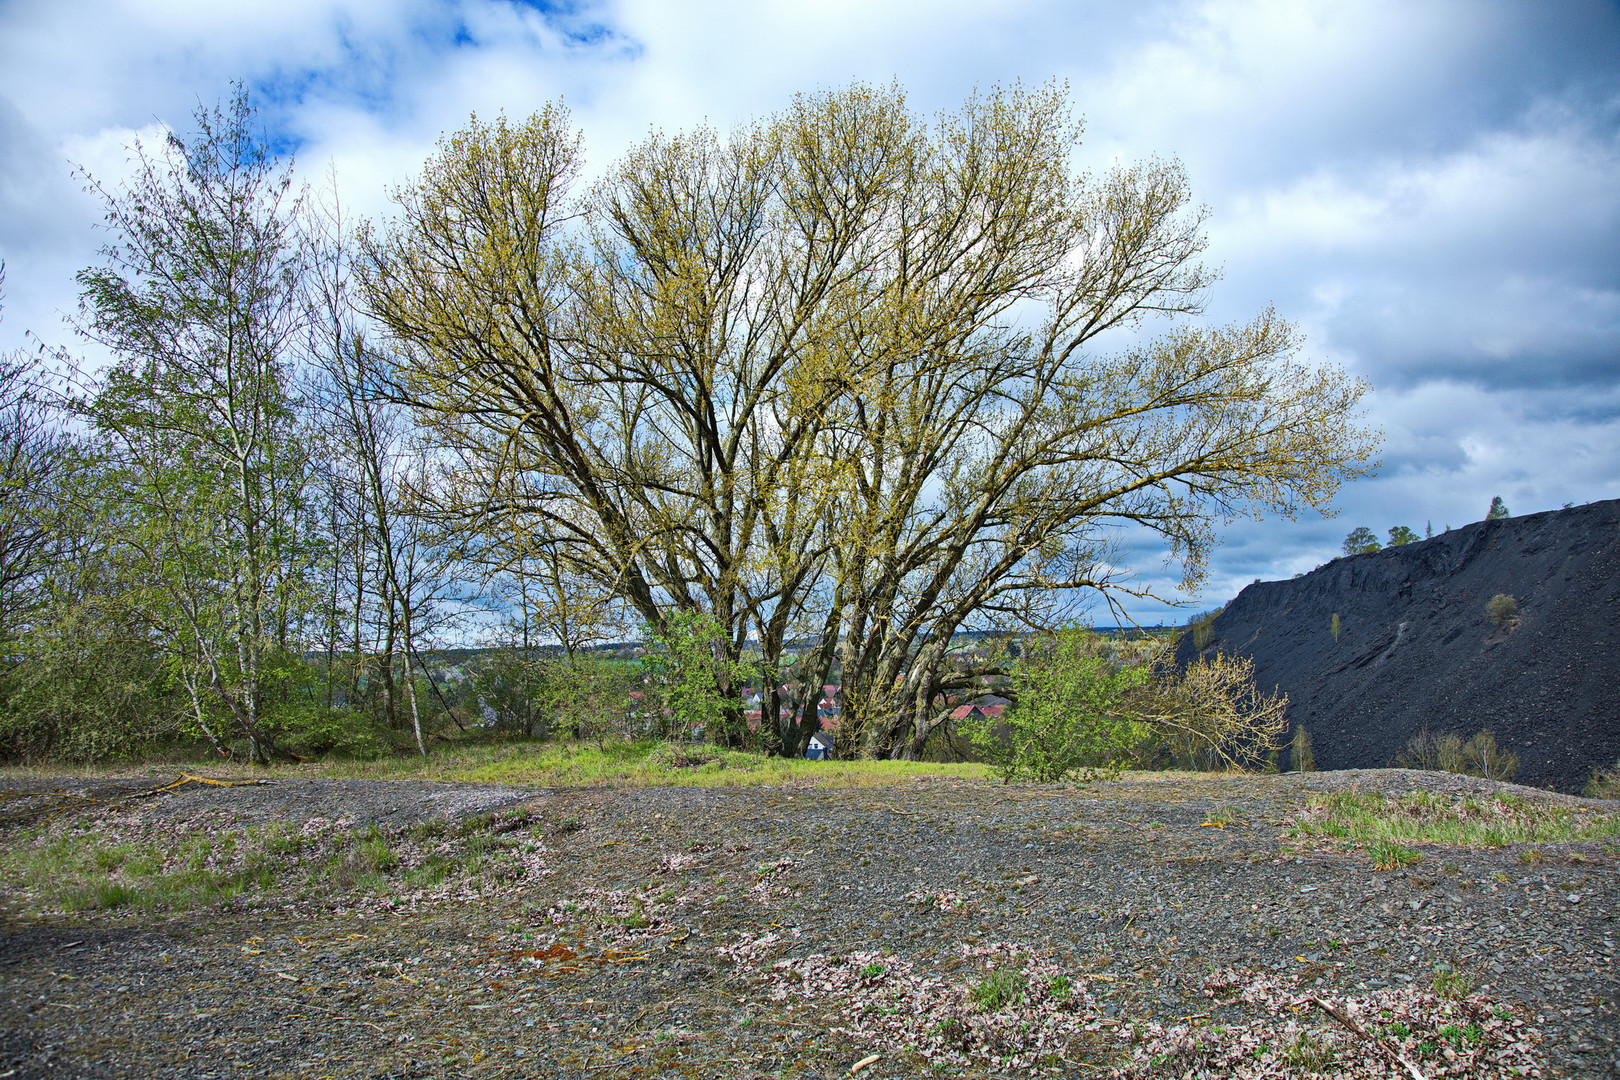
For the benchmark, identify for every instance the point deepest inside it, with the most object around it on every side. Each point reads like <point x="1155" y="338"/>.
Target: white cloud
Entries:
<point x="1524" y="197"/>
<point x="1428" y="188"/>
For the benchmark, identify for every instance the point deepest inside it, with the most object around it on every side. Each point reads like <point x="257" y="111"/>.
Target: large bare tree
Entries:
<point x="835" y="378"/>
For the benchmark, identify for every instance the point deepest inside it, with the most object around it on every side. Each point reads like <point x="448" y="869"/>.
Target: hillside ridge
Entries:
<point x="1416" y="649"/>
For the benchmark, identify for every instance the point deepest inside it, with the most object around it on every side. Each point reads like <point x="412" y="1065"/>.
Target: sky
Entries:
<point x="1431" y="190"/>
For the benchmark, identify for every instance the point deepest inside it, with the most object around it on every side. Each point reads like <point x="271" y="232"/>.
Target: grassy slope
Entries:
<point x="536" y="764"/>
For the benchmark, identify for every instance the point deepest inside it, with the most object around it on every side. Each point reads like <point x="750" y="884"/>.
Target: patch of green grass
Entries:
<point x="101" y="897"/>
<point x="1305" y="1051"/>
<point x="433" y="871"/>
<point x="157" y="866"/>
<point x="614" y="763"/>
<point x="96" y="872"/>
<point x="637" y="919"/>
<point x="1387" y="856"/>
<point x="1424" y="818"/>
<point x="998" y="988"/>
<point x="430" y="829"/>
<point x="110" y="858"/>
<point x="1461" y="1037"/>
<point x="1452" y="984"/>
<point x="651" y="764"/>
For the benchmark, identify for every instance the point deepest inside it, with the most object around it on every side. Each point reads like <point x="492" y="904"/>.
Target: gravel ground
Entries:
<point x="697" y="932"/>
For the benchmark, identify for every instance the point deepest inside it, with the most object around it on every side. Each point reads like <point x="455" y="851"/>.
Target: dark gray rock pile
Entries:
<point x="1416" y="648"/>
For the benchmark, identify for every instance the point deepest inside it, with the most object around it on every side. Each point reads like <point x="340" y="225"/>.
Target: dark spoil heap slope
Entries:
<point x="1416" y="648"/>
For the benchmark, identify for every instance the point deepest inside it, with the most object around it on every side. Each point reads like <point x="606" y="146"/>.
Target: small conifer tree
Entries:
<point x="1498" y="509"/>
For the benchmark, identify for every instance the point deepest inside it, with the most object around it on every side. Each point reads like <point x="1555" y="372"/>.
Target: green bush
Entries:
<point x="316" y="730"/>
<point x="1335" y="627"/>
<point x="1501" y="609"/>
<point x="86" y="692"/>
<point x="690" y="671"/>
<point x="1068" y="712"/>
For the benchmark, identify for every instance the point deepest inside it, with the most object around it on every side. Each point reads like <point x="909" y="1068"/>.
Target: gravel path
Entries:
<point x="683" y="931"/>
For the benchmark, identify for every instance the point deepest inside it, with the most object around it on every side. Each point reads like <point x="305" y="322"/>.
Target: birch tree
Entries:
<point x="198" y="299"/>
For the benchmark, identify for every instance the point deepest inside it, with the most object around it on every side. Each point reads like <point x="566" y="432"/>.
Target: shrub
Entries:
<point x="1209" y="715"/>
<point x="312" y="729"/>
<point x="1436" y="753"/>
<point x="1068" y="711"/>
<point x="1335" y="626"/>
<point x="1501" y="609"/>
<point x="690" y="670"/>
<point x="1302" y="756"/>
<point x="1446" y="752"/>
<point x="1083" y="702"/>
<point x="86" y="689"/>
<point x="1481" y="757"/>
<point x="1604" y="783"/>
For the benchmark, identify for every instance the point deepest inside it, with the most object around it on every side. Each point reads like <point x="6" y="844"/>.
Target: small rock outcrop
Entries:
<point x="1417" y="649"/>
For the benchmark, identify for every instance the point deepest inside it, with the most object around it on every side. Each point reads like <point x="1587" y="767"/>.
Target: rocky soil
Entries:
<point x="1136" y="927"/>
<point x="1416" y="649"/>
